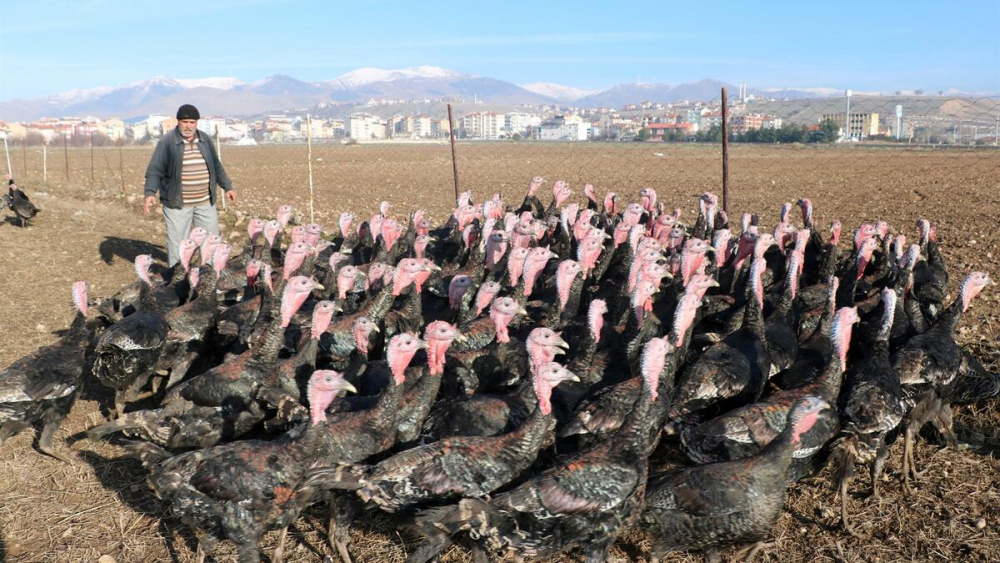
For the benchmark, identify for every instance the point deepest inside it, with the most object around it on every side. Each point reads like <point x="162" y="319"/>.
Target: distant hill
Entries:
<point x="278" y="93"/>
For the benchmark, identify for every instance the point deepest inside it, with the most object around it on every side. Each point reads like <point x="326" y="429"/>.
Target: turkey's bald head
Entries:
<point x="324" y="386"/>
<point x="400" y="353"/>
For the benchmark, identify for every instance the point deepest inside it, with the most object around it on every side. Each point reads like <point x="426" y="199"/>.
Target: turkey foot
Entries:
<point x="45" y="443"/>
<point x="752" y="550"/>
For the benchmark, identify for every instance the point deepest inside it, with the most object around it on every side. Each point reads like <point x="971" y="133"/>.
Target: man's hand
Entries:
<point x="148" y="202"/>
<point x="231" y="196"/>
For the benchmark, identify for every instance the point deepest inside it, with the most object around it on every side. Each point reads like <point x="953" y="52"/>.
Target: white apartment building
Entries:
<point x="363" y="126"/>
<point x="484" y="125"/>
<point x="521" y="123"/>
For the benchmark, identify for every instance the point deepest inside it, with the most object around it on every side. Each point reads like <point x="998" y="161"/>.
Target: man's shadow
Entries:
<point x="128" y="249"/>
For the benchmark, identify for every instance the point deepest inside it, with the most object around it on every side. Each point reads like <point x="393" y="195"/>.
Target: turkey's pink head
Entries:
<point x="423" y="227"/>
<point x="502" y="312"/>
<point x="420" y="244"/>
<point x="336" y="259"/>
<point x="186" y="249"/>
<point x="804" y="415"/>
<point x="466" y="215"/>
<point x="429" y="267"/>
<point x="298" y="234"/>
<point x="898" y="249"/>
<point x="345" y="221"/>
<point x="583" y="225"/>
<point x="375" y="225"/>
<point x="439" y="335"/>
<point x="470" y="235"/>
<point x="633" y="214"/>
<point x="676" y="238"/>
<point x="888" y="312"/>
<point x="391" y="231"/>
<point x="400" y="353"/>
<point x="558" y="186"/>
<point x="347" y="278"/>
<point x="486" y="294"/>
<point x="654" y="359"/>
<point x="621" y="233"/>
<point x="296" y="291"/>
<point x="284" y="215"/>
<point x="642" y="298"/>
<point x="786" y="210"/>
<point x="973" y="283"/>
<point x="924" y="227"/>
<point x="271" y="230"/>
<point x="684" y="315"/>
<point x="648" y="198"/>
<point x="699" y="284"/>
<point x="567" y="217"/>
<point x="807" y="211"/>
<point x="198" y="235"/>
<point x="562" y="195"/>
<point x="496" y="247"/>
<point x="544" y="379"/>
<point x="255" y="228"/>
<point x="322" y="314"/>
<point x="383" y="208"/>
<point x="465" y="198"/>
<point x="881" y="229"/>
<point x="565" y="274"/>
<point x="536" y="183"/>
<point x="457" y="288"/>
<point x="295" y="256"/>
<point x="376" y="275"/>
<point x="835" y="232"/>
<point x="324" y="386"/>
<point x="611" y="203"/>
<point x="313" y="232"/>
<point x="720" y="242"/>
<point x="865" y="230"/>
<point x="492" y="209"/>
<point x="654" y="272"/>
<point x="410" y="271"/>
<point x="515" y="264"/>
<point x="543" y="345"/>
<point x="143" y="263"/>
<point x="221" y="257"/>
<point x="783" y="233"/>
<point x="208" y="248"/>
<point x="865" y="255"/>
<point x="641" y="259"/>
<point x="81" y="292"/>
<point x="537" y="258"/>
<point x="910" y="259"/>
<point x="757" y="268"/>
<point x="362" y="329"/>
<point x="692" y="257"/>
<point x="595" y="318"/>
<point x="418" y="217"/>
<point x="663" y="223"/>
<point x="588" y="252"/>
<point x="588" y="190"/>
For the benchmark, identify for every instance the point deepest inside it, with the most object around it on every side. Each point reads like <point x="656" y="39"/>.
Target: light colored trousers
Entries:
<point x="180" y="222"/>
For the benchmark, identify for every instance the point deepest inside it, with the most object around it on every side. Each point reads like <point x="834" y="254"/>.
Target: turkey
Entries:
<point x="927" y="364"/>
<point x="224" y="402"/>
<point x="454" y="467"/>
<point x="872" y="407"/>
<point x="42" y="386"/>
<point x="19" y="203"/>
<point x="127" y="352"/>
<point x="586" y="500"/>
<point x="707" y="507"/>
<point x="746" y="431"/>
<point x="240" y="490"/>
<point x="732" y="372"/>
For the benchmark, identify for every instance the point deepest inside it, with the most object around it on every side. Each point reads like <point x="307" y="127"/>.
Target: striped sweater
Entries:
<point x="194" y="175"/>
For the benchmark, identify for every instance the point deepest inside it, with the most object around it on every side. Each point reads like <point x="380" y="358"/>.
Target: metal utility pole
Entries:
<point x="92" y="159"/>
<point x="899" y="119"/>
<point x="847" y="118"/>
<point x="121" y="166"/>
<point x="454" y="163"/>
<point x="725" y="152"/>
<point x="66" y="155"/>
<point x="45" y="161"/>
<point x="309" y="150"/>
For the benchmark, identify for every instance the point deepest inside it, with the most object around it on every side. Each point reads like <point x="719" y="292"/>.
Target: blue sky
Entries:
<point x="50" y="46"/>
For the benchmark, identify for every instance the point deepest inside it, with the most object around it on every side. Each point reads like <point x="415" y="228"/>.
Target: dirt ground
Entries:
<point x="92" y="230"/>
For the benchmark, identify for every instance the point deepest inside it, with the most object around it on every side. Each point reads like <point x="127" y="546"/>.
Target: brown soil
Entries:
<point x="102" y="506"/>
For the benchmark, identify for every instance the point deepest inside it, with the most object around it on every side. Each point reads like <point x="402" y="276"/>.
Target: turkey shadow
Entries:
<point x="12" y="220"/>
<point x="127" y="249"/>
<point x="125" y="477"/>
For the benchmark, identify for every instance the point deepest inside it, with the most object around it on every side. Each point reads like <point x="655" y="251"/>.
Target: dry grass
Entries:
<point x="53" y="512"/>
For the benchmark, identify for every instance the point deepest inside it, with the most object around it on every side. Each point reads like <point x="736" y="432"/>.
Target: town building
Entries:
<point x="862" y="124"/>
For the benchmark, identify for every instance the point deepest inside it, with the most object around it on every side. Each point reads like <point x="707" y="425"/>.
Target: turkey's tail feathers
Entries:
<point x="150" y="454"/>
<point x="346" y="477"/>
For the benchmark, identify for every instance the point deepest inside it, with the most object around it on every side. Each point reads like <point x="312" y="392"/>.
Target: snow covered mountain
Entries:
<point x="558" y="91"/>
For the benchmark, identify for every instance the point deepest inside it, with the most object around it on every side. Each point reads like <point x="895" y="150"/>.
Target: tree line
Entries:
<point x="827" y="132"/>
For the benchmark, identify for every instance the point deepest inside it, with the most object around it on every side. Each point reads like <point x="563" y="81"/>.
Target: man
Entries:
<point x="185" y="170"/>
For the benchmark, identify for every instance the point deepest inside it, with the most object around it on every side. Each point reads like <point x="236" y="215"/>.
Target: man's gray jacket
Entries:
<point x="164" y="171"/>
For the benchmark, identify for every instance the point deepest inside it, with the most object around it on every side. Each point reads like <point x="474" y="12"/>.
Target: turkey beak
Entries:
<point x="522" y="311"/>
<point x="317" y="285"/>
<point x="376" y="329"/>
<point x="346" y="386"/>
<point x="714" y="283"/>
<point x="573" y="377"/>
<point x="461" y="337"/>
<point x="562" y="343"/>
